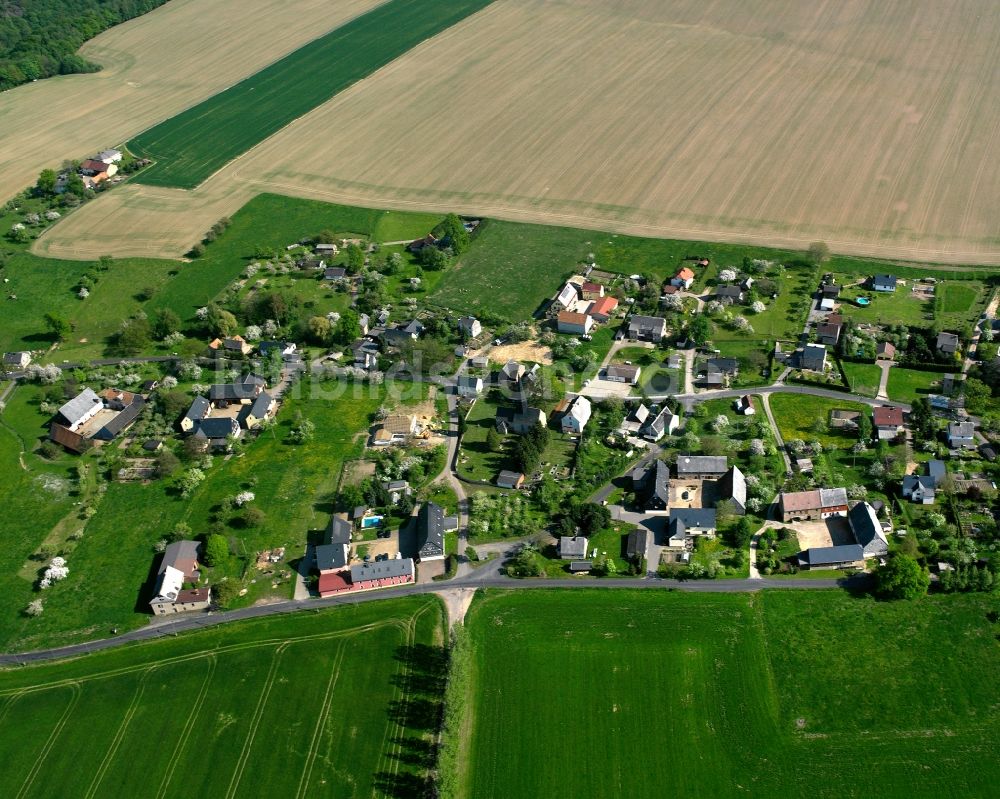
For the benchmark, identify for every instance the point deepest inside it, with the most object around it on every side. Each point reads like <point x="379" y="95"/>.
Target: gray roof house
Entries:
<point x="468" y="386"/>
<point x="338" y="531"/>
<point x="199" y="409"/>
<point x="937" y="470"/>
<point x="572" y="547"/>
<point x="179" y="565"/>
<point x="733" y="486"/>
<point x="654" y="483"/>
<point x="947" y="343"/>
<point x="813" y="357"/>
<point x="961" y="434"/>
<point x="702" y="466"/>
<point x="647" y="328"/>
<point x="920" y="489"/>
<point x="432" y="524"/>
<point x="17" y="360"/>
<point x="687" y="522"/>
<point x="867" y="530"/>
<point x="845" y="555"/>
<point x="637" y="543"/>
<point x="729" y="293"/>
<point x="665" y="422"/>
<point x="884" y="283"/>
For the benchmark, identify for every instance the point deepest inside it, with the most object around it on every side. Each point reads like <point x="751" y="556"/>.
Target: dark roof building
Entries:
<point x="702" y="466"/>
<point x="431" y="527"/>
<point x="637" y="543"/>
<point x="832" y="557"/>
<point x="867" y="530"/>
<point x="732" y="486"/>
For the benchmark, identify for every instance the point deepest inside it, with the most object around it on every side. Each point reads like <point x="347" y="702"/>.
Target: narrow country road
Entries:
<point x="765" y="400"/>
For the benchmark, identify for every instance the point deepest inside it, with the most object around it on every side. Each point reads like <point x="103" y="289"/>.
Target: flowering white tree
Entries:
<point x="754" y="504"/>
<point x="189" y="370"/>
<point x="757" y="448"/>
<point x="252" y="333"/>
<point x="252" y="270"/>
<point x="190" y="480"/>
<point x="169" y="382"/>
<point x="47" y="375"/>
<point x="742" y="323"/>
<point x="797" y="445"/>
<point x="34" y="608"/>
<point x="720" y="423"/>
<point x="270" y="327"/>
<point x="672" y="302"/>
<point x="201" y="314"/>
<point x="987" y="334"/>
<point x="857" y="491"/>
<point x="172" y="339"/>
<point x="243" y="498"/>
<point x="56" y="571"/>
<point x="83" y="293"/>
<point x="727" y="275"/>
<point x="714" y="307"/>
<point x="758" y="307"/>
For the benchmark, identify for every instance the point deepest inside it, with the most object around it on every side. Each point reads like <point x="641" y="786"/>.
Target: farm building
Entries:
<point x="820" y="503"/>
<point x="509" y="479"/>
<point x="16" y="360"/>
<point x="652" y="483"/>
<point x="591" y="291"/>
<point x="867" y="530"/>
<point x="432" y="524"/>
<point x="664" y="423"/>
<point x="647" y="328"/>
<point x="572" y="322"/>
<point x="602" y="309"/>
<point x="702" y="467"/>
<point x="179" y="566"/>
<point x="91" y="418"/>
<point x="845" y="556"/>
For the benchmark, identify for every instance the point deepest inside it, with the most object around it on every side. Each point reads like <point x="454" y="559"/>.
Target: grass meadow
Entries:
<point x="771" y="694"/>
<point x="806" y="417"/>
<point x="192" y="145"/>
<point x="906" y="385"/>
<point x="864" y="378"/>
<point x="294" y="485"/>
<point x="337" y="703"/>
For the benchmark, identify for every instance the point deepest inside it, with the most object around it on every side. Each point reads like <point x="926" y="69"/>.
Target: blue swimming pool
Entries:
<point x="863" y="301"/>
<point x="371" y="521"/>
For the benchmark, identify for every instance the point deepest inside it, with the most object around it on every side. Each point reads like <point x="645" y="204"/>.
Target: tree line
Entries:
<point x="40" y="38"/>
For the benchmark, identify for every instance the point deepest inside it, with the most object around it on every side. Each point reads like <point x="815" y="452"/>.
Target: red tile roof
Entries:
<point x="603" y="307"/>
<point x="888" y="417"/>
<point x="685" y="274"/>
<point x="572" y="318"/>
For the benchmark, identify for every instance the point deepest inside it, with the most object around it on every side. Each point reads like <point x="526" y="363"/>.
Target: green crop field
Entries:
<point x="192" y="145"/>
<point x="644" y="693"/>
<point x="337" y="703"/>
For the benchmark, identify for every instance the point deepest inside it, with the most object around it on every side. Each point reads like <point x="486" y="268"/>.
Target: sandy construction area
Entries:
<point x="528" y="351"/>
<point x="154" y="67"/>
<point x="870" y="124"/>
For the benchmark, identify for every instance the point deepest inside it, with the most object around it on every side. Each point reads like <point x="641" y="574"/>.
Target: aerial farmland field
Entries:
<point x="651" y="694"/>
<point x="191" y="146"/>
<point x="309" y="705"/>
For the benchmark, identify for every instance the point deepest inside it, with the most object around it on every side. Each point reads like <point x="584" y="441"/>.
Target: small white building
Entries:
<point x="468" y="386"/>
<point x="469" y="326"/>
<point x="577" y="415"/>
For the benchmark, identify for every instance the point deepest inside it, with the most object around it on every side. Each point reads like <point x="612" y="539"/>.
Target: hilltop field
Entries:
<point x="785" y="693"/>
<point x="741" y="122"/>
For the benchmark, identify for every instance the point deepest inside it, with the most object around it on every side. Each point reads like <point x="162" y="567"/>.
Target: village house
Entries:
<point x="521" y="422"/>
<point x="468" y="386"/>
<point x="732" y="487"/>
<point x="335" y="274"/>
<point x="469" y="327"/>
<point x="314" y="264"/>
<point x="432" y="524"/>
<point x="216" y="432"/>
<point x="888" y="421"/>
<point x="109" y="156"/>
<point x="637" y="544"/>
<point x="602" y="309"/>
<point x="664" y="423"/>
<point x="511" y="373"/>
<point x="200" y="409"/>
<point x="819" y="503"/>
<point x="509" y="479"/>
<point x="179" y="567"/>
<point x="397" y="490"/>
<point x="702" y="467"/>
<point x="885" y="351"/>
<point x="366" y="353"/>
<point x="258" y="411"/>
<point x="813" y="358"/>
<point x="744" y="405"/>
<point x="729" y="294"/>
<point x="286" y="349"/>
<point x="947" y="343"/>
<point x="98" y="171"/>
<point x="576" y="415"/>
<point x="403" y="333"/>
<point x="634" y="420"/>
<point x="572" y="547"/>
<point x="830" y="291"/>
<point x="919" y="488"/>
<point x="961" y="435"/>
<point x="828" y="333"/>
<point x="326" y="249"/>
<point x="395" y="429"/>
<point x="567" y="296"/>
<point x="684" y="278"/>
<point x="16" y="360"/>
<point x="242" y="391"/>
<point x="867" y="530"/>
<point x="591" y="291"/>
<point x="884" y="283"/>
<point x="622" y="374"/>
<point x="333" y="555"/>
<point x="684" y="523"/>
<point x="233" y="347"/>
<point x="647" y="328"/>
<point x="572" y="322"/>
<point x="652" y="484"/>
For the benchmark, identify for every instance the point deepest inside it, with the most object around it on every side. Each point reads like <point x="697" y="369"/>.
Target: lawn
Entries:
<point x="906" y="385"/>
<point x="192" y="145"/>
<point x="294" y="486"/>
<point x="956" y="303"/>
<point x="265" y="707"/>
<point x="863" y="378"/>
<point x="784" y="317"/>
<point x="807" y="417"/>
<point x="771" y="691"/>
<point x="475" y="460"/>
